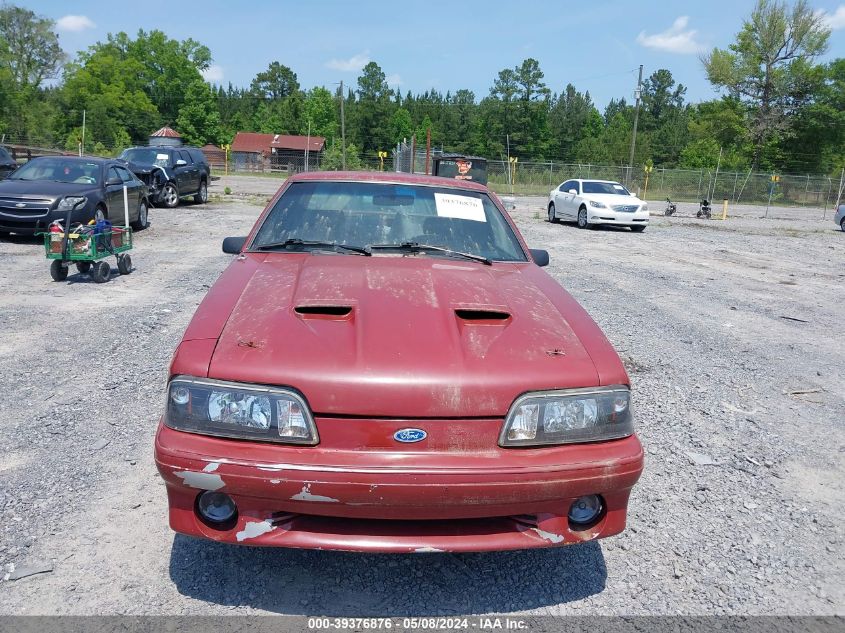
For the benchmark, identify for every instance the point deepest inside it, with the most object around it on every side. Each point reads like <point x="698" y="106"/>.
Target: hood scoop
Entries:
<point x="323" y="311"/>
<point x="482" y="315"/>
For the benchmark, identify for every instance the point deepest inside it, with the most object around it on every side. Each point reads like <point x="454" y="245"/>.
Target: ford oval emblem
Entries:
<point x="408" y="436"/>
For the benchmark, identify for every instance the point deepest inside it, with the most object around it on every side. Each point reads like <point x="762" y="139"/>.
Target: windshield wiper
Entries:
<point x="416" y="247"/>
<point x="295" y="241"/>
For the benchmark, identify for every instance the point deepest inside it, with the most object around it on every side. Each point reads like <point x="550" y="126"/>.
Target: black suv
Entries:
<point x="170" y="173"/>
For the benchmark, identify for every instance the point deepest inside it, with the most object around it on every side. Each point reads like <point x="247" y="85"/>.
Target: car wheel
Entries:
<point x="83" y="267"/>
<point x="202" y="194"/>
<point x="638" y="229"/>
<point x="582" y="218"/>
<point x="170" y="195"/>
<point x="143" y="220"/>
<point x="101" y="271"/>
<point x="553" y="213"/>
<point x="124" y="264"/>
<point x="57" y="271"/>
<point x="842" y="225"/>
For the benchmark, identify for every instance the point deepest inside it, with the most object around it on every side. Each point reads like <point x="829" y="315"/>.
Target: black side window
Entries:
<point x="565" y="186"/>
<point x="4" y="155"/>
<point x="198" y="156"/>
<point x="113" y="174"/>
<point x="125" y="175"/>
<point x="186" y="156"/>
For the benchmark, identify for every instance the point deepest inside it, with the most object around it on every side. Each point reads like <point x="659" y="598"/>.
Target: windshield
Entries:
<point x="613" y="188"/>
<point x="366" y="214"/>
<point x="60" y="169"/>
<point x="146" y="156"/>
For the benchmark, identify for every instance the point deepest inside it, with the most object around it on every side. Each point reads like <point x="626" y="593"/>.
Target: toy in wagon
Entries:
<point x="88" y="245"/>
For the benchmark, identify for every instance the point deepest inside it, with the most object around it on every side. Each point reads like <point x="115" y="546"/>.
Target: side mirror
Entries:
<point x="540" y="257"/>
<point x="181" y="163"/>
<point x="233" y="245"/>
<point x="111" y="182"/>
<point x="574" y="192"/>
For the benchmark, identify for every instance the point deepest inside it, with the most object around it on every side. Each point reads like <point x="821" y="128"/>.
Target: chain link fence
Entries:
<point x="683" y="185"/>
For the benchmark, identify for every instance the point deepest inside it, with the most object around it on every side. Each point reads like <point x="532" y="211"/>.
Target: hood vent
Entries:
<point x="481" y="315"/>
<point x="323" y="311"/>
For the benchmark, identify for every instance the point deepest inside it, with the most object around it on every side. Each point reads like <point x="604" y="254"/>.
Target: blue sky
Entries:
<point x="595" y="45"/>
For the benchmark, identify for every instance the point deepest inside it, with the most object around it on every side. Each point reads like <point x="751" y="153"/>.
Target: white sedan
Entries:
<point x="592" y="202"/>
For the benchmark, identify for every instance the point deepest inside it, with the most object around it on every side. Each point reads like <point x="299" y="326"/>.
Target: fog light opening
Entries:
<point x="217" y="510"/>
<point x="585" y="511"/>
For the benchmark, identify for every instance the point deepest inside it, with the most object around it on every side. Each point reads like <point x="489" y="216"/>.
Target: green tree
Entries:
<point x="164" y="67"/>
<point x="572" y="118"/>
<point x="199" y="121"/>
<point x="332" y="159"/>
<point x="372" y="110"/>
<point x="110" y="89"/>
<point x="275" y="83"/>
<point x="401" y="126"/>
<point x="29" y="47"/>
<point x="770" y="66"/>
<point x="321" y="110"/>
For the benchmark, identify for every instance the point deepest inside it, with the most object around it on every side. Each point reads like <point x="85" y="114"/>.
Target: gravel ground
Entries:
<point x="730" y="332"/>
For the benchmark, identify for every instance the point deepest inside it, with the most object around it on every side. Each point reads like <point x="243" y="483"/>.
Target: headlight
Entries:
<point x="597" y="204"/>
<point x="69" y="202"/>
<point x="565" y="417"/>
<point x="229" y="409"/>
<point x="644" y="207"/>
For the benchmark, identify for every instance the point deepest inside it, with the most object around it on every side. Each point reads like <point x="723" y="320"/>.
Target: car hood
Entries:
<point x="400" y="336"/>
<point x="612" y="199"/>
<point x="43" y="188"/>
<point x="138" y="168"/>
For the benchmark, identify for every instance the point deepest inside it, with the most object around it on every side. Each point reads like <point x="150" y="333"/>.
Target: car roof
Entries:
<point x="612" y="182"/>
<point x="99" y="160"/>
<point x="388" y="177"/>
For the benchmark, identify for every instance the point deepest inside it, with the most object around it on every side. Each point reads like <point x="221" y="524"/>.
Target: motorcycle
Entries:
<point x="671" y="207"/>
<point x="704" y="209"/>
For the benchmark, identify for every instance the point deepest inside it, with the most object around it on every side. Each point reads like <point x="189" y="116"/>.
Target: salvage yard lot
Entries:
<point x="731" y="332"/>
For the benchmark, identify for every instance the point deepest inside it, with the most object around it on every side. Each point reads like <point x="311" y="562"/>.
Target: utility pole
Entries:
<point x="342" y="127"/>
<point x="307" y="144"/>
<point x="637" y="94"/>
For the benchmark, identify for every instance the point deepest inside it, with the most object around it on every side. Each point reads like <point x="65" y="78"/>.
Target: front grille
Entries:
<point x="32" y="207"/>
<point x="625" y="208"/>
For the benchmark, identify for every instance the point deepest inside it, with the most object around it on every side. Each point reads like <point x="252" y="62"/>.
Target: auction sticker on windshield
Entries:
<point x="461" y="207"/>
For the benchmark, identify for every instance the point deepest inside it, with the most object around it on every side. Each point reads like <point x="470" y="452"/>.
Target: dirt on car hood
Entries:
<point x="400" y="336"/>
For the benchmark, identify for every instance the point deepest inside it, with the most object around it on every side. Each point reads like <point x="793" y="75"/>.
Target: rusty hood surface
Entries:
<point x="399" y="337"/>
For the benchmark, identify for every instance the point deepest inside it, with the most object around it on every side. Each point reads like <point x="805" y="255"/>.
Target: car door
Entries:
<point x="114" y="193"/>
<point x="133" y="192"/>
<point x="188" y="174"/>
<point x="574" y="199"/>
<point x="564" y="207"/>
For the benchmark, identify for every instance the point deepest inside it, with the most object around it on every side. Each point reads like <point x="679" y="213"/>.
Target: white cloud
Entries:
<point x="353" y="64"/>
<point x="213" y="73"/>
<point x="674" y="39"/>
<point x="394" y="80"/>
<point x="834" y="21"/>
<point x="75" y="23"/>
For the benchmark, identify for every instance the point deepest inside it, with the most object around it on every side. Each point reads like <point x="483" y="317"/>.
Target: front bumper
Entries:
<point x="397" y="500"/>
<point x="621" y="218"/>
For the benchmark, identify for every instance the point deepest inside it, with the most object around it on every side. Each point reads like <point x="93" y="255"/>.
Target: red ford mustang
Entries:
<point x="384" y="367"/>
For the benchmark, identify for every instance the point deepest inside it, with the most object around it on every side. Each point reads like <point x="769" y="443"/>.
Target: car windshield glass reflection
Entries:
<point x="144" y="156"/>
<point x="612" y="188"/>
<point x="367" y="214"/>
<point x="60" y="170"/>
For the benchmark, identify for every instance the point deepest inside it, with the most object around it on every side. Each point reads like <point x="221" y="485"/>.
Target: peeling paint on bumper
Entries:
<point x="409" y="507"/>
